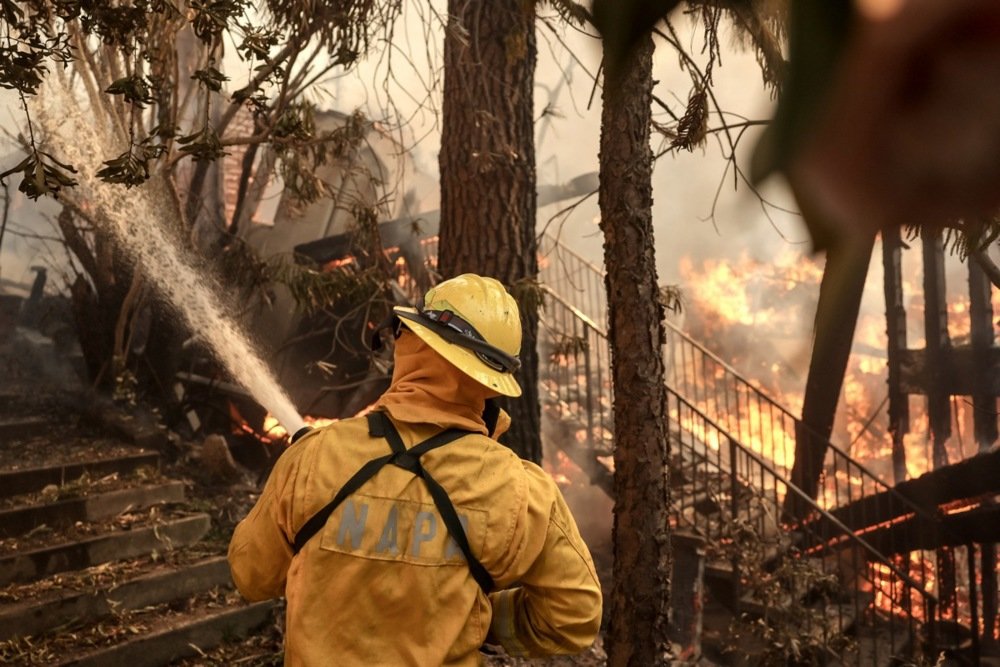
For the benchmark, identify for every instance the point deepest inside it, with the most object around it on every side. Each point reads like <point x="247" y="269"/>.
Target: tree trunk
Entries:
<point x="638" y="634"/>
<point x="487" y="164"/>
<point x="97" y="302"/>
<point x="836" y="317"/>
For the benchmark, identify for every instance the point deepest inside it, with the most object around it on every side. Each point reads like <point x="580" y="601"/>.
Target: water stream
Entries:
<point x="138" y="218"/>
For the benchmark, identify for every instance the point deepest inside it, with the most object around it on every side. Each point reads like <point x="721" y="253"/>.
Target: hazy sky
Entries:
<point x="684" y="184"/>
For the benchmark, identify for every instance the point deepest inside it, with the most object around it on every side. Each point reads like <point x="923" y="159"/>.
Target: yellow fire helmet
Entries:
<point x="474" y="323"/>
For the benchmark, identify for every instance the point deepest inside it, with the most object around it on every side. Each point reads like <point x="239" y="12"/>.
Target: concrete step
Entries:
<point x="20" y="520"/>
<point x="885" y="645"/>
<point x="164" y="583"/>
<point x="137" y="541"/>
<point x="29" y="480"/>
<point x="179" y="638"/>
<point x="22" y="428"/>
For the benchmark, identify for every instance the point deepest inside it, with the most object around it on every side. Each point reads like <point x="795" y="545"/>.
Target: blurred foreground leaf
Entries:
<point x="623" y="22"/>
<point x="818" y="33"/>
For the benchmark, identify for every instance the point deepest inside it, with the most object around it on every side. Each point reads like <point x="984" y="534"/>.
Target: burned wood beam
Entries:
<point x="984" y="402"/>
<point x="977" y="526"/>
<point x="895" y="318"/>
<point x="972" y="478"/>
<point x="211" y="383"/>
<point x="988" y="561"/>
<point x="962" y="366"/>
<point x="397" y="232"/>
<point x="938" y="343"/>
<point x="412" y="229"/>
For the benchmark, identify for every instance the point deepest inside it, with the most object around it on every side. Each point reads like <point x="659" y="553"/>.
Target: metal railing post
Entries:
<point x="734" y="514"/>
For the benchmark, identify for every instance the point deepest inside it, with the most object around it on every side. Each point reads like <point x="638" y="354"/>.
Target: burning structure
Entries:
<point x="909" y="573"/>
<point x="888" y="565"/>
<point x="863" y="571"/>
<point x="883" y="570"/>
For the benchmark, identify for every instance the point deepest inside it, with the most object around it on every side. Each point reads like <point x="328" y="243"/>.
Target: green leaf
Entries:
<point x="128" y="169"/>
<point x="20" y="166"/>
<point x="211" y="78"/>
<point x="203" y="145"/>
<point x="134" y="89"/>
<point x="39" y="178"/>
<point x="64" y="165"/>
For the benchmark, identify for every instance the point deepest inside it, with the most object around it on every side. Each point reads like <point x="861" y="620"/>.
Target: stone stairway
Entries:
<point x="105" y="559"/>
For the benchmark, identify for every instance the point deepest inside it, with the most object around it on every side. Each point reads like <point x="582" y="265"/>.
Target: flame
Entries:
<point x="563" y="471"/>
<point x="275" y="432"/>
<point x="757" y="316"/>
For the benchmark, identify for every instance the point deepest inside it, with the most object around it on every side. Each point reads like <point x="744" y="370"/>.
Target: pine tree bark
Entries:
<point x="638" y="633"/>
<point x="487" y="164"/>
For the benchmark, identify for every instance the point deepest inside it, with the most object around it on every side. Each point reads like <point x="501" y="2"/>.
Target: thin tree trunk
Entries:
<point x="638" y="634"/>
<point x="487" y="165"/>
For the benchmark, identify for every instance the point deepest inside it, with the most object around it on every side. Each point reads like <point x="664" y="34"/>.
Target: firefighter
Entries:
<point x="410" y="536"/>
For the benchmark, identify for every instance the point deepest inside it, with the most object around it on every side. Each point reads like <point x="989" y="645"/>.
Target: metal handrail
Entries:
<point x="761" y="461"/>
<point x="773" y="403"/>
<point x="580" y="402"/>
<point x="765" y="465"/>
<point x="558" y="254"/>
<point x="584" y="319"/>
<point x="834" y="450"/>
<point x="572" y="253"/>
<point x="560" y="381"/>
<point x="708" y="464"/>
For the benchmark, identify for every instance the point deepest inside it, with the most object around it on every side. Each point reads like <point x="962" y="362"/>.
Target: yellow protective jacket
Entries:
<point x="382" y="583"/>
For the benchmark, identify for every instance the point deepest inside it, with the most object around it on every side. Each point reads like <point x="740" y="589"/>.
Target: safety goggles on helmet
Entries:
<point x="459" y="332"/>
<point x="456" y="331"/>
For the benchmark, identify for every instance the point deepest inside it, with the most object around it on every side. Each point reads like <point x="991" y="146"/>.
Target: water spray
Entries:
<point x="138" y="218"/>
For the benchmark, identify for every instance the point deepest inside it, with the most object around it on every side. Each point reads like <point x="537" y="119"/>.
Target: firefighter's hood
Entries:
<point x="427" y="389"/>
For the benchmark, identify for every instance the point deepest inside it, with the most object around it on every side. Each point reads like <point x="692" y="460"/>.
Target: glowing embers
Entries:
<point x="563" y="471"/>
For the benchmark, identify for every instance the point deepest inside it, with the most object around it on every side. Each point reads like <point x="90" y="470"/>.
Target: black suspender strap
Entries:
<point x="409" y="459"/>
<point x="380" y="426"/>
<point x="457" y="532"/>
<point x="318" y="520"/>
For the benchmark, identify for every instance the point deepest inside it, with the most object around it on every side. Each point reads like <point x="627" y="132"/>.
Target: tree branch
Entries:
<point x="984" y="261"/>
<point x="197" y="183"/>
<point x="6" y="214"/>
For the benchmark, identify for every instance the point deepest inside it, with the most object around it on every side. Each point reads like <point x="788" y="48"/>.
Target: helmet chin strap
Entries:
<point x="391" y="321"/>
